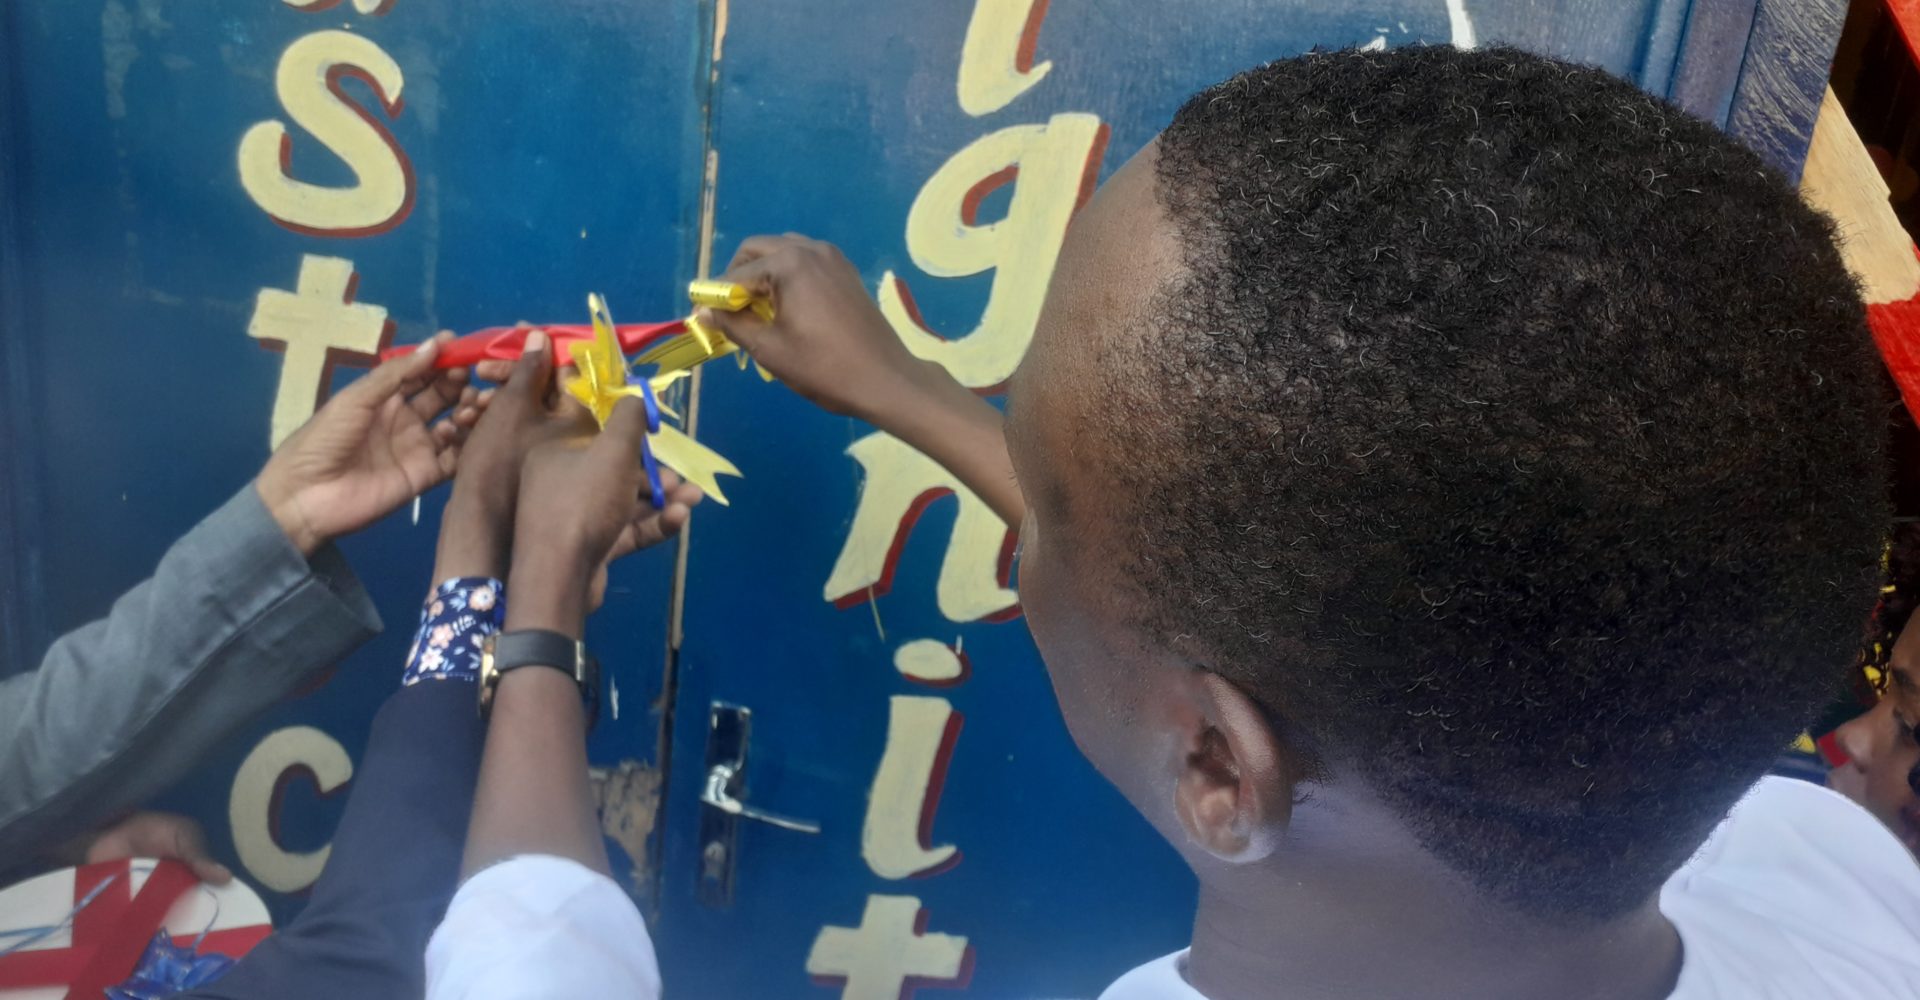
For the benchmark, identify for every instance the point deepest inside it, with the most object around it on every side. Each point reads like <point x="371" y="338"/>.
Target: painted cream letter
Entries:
<point x="281" y="755"/>
<point x="312" y="324"/>
<point x="906" y="790"/>
<point x="309" y="83"/>
<point x="877" y="959"/>
<point x="996" y="60"/>
<point x="1052" y="168"/>
<point x="899" y="483"/>
<point x="931" y="662"/>
<point x="373" y="8"/>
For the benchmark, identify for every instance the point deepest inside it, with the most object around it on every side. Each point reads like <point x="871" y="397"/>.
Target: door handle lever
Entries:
<point x="724" y="793"/>
<point x="718" y="794"/>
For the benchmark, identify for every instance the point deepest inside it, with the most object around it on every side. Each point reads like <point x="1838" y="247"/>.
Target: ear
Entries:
<point x="1235" y="790"/>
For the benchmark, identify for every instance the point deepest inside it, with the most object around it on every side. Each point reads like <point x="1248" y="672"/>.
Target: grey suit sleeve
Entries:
<point x="233" y="620"/>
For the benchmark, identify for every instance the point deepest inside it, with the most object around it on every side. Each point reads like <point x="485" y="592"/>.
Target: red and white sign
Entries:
<point x="107" y="936"/>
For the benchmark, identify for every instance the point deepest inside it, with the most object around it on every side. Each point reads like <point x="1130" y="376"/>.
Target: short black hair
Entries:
<point x="1518" y="437"/>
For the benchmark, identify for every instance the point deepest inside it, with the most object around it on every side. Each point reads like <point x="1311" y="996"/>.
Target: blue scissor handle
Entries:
<point x="646" y="453"/>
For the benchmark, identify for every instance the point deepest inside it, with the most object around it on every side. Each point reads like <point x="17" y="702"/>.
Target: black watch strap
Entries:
<point x="542" y="648"/>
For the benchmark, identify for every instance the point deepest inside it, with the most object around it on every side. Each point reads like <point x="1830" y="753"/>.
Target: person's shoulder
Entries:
<point x="1774" y="794"/>
<point x="1793" y="822"/>
<point x="1798" y="889"/>
<point x="537" y="925"/>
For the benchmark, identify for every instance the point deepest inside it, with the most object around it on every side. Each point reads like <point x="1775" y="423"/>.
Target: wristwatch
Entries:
<point x="504" y="651"/>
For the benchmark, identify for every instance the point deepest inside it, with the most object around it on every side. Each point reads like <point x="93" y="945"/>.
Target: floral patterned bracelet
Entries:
<point x="455" y="619"/>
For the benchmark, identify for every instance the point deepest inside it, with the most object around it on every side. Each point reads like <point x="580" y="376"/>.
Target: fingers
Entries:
<point x="756" y="247"/>
<point x="763" y="261"/>
<point x="745" y="327"/>
<point x="158" y="835"/>
<point x="668" y="521"/>
<point x="448" y="437"/>
<point x="498" y="370"/>
<point x="758" y="275"/>
<point x="447" y="433"/>
<point x="678" y="490"/>
<point x="441" y="392"/>
<point x="763" y="266"/>
<point x="654" y="527"/>
<point x="687" y="495"/>
<point x="190" y="846"/>
<point x="628" y="542"/>
<point x="473" y="403"/>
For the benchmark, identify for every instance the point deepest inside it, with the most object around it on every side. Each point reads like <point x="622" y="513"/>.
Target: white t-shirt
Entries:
<point x="539" y="926"/>
<point x="1798" y="894"/>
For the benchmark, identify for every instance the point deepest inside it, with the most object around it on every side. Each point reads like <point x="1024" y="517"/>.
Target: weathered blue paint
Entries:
<point x="560" y="148"/>
<point x="1712" y="50"/>
<point x="1783" y="78"/>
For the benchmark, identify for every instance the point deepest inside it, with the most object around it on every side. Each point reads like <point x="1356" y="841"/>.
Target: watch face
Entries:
<point x="489" y="677"/>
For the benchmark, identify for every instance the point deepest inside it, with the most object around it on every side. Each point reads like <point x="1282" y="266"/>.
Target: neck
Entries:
<point x="1335" y="916"/>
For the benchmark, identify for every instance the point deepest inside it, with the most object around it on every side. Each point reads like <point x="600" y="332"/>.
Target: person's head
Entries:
<point x="1882" y="772"/>
<point x="1462" y="438"/>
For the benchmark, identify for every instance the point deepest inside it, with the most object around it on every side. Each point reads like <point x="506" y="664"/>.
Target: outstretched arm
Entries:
<point x="538" y="914"/>
<point x="240" y="612"/>
<point x="829" y="343"/>
<point x="581" y="505"/>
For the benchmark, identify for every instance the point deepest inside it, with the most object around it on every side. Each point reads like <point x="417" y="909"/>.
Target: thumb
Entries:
<point x="209" y="871"/>
<point x="743" y="327"/>
<point x="189" y="846"/>
<point x="626" y="429"/>
<point x="535" y="368"/>
<point x="388" y="378"/>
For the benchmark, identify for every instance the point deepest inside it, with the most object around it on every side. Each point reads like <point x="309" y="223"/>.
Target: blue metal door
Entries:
<point x="497" y="161"/>
<point x="854" y="599"/>
<point x="402" y="166"/>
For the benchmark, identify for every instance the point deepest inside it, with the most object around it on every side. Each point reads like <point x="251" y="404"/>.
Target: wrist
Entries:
<point x="476" y="537"/>
<point x="903" y="390"/>
<point x="550" y="584"/>
<point x="283" y="506"/>
<point x="484" y="490"/>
